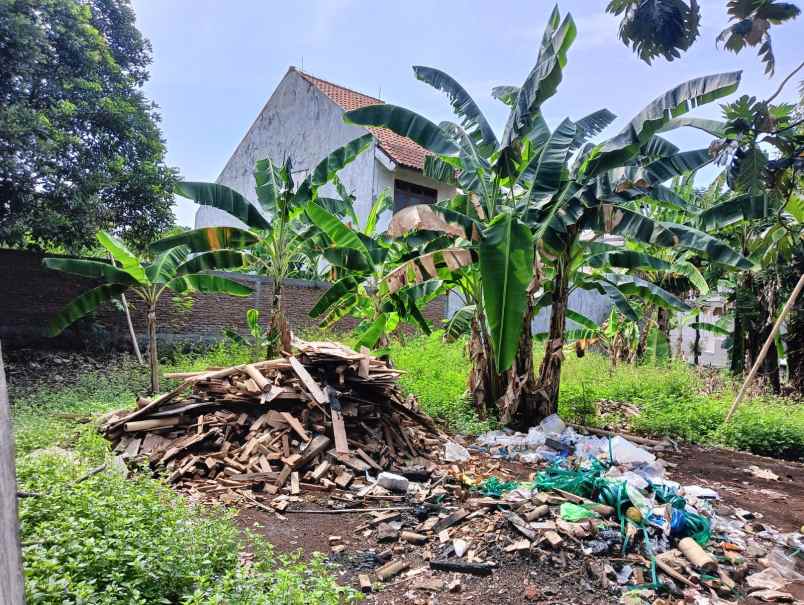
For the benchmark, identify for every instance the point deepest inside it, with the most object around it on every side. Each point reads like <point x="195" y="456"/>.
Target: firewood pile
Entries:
<point x="316" y="421"/>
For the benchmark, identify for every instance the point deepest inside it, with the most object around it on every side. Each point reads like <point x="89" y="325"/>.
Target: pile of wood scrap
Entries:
<point x="317" y="420"/>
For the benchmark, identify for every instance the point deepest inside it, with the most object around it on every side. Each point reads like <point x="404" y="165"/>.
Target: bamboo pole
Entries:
<point x="766" y="347"/>
<point x="11" y="584"/>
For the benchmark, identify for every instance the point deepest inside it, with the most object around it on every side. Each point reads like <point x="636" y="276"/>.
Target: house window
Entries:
<point x="409" y="194"/>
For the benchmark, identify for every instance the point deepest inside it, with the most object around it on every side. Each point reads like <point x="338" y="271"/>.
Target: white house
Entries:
<point x="303" y="119"/>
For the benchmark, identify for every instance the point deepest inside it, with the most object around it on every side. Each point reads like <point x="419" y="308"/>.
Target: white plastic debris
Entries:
<point x="697" y="491"/>
<point x="454" y="452"/>
<point x="460" y="547"/>
<point x="392" y="482"/>
<point x="625" y="452"/>
<point x="552" y="424"/>
<point x="535" y="437"/>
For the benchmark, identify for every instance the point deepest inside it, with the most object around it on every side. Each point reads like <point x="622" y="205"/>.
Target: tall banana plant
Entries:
<point x="530" y="194"/>
<point x="172" y="270"/>
<point x="278" y="236"/>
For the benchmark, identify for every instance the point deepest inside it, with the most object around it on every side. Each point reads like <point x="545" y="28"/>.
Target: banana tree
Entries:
<point x="279" y="237"/>
<point x="529" y="196"/>
<point x="360" y="258"/>
<point x="172" y="270"/>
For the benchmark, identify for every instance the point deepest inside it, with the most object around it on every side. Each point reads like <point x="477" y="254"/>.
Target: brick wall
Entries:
<point x="31" y="294"/>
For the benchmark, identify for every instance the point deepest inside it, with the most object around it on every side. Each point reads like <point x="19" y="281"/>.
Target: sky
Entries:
<point x="215" y="63"/>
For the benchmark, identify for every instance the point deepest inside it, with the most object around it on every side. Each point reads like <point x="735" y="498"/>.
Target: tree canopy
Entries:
<point x="80" y="146"/>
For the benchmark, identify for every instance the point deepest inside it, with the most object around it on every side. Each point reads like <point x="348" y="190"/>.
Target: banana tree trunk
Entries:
<point x="279" y="330"/>
<point x="550" y="371"/>
<point x="663" y="325"/>
<point x="482" y="387"/>
<point x="153" y="357"/>
<point x="647" y="325"/>
<point x="696" y="348"/>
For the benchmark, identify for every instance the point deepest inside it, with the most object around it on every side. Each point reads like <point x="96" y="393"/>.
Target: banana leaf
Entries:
<point x="92" y="269"/>
<point x="552" y="162"/>
<point x="741" y="208"/>
<point x="216" y="260"/>
<point x="201" y="282"/>
<point x="164" y="267"/>
<point x="83" y="305"/>
<point x="675" y="102"/>
<point x="207" y="239"/>
<point x="338" y="159"/>
<point x="405" y="123"/>
<point x="506" y="267"/>
<point x="223" y="198"/>
<point x="128" y="261"/>
<point x="463" y="105"/>
<point x="341" y="235"/>
<point x="460" y="323"/>
<point x="335" y="295"/>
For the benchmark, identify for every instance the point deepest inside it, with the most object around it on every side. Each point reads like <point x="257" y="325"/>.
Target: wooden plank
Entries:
<point x="339" y="431"/>
<point x="476" y="569"/>
<point x="320" y="470"/>
<point x="450" y="520"/>
<point x="296" y="426"/>
<point x="363" y="365"/>
<point x="294" y="483"/>
<point x="308" y="381"/>
<point x="317" y="446"/>
<point x="11" y="583"/>
<point x="260" y="380"/>
<point x="353" y="462"/>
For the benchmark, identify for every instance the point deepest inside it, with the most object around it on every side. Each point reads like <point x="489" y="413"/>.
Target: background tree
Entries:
<point x="665" y="28"/>
<point x="80" y="149"/>
<point x="172" y="270"/>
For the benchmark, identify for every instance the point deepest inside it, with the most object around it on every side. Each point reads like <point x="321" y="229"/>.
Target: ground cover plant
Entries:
<point x="110" y="539"/>
<point x="673" y="399"/>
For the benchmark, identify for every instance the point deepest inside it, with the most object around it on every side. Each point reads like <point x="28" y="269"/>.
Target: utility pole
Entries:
<point x="11" y="585"/>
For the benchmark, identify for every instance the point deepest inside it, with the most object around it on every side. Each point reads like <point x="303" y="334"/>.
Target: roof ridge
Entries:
<point x="307" y="75"/>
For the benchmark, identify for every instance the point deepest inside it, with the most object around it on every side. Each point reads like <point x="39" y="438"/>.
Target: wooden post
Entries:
<point x="131" y="332"/>
<point x="766" y="347"/>
<point x="11" y="585"/>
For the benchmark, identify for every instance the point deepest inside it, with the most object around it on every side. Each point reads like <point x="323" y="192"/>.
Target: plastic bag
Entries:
<point x="552" y="424"/>
<point x="625" y="452"/>
<point x="454" y="452"/>
<point x="576" y="512"/>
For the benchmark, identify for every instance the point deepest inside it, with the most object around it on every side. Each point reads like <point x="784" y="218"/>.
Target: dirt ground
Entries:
<point x="550" y="578"/>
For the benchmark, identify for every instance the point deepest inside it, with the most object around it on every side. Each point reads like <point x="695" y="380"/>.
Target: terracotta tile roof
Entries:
<point x="401" y="149"/>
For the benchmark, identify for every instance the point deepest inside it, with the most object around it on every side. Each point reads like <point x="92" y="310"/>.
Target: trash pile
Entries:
<point x="601" y="506"/>
<point x="318" y="420"/>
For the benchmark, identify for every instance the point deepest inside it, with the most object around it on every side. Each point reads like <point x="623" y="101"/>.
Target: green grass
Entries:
<point x="112" y="540"/>
<point x="672" y="399"/>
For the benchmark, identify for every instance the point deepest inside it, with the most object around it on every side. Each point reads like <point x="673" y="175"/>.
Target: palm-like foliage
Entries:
<point x="173" y="270"/>
<point x="279" y="236"/>
<point x="527" y="198"/>
<point x="360" y="258"/>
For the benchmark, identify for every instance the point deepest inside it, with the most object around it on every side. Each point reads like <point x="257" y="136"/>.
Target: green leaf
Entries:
<point x="543" y="80"/>
<point x="341" y="235"/>
<point x="666" y="168"/>
<point x="675" y="102"/>
<point x="208" y="239"/>
<point x="164" y="267"/>
<point x="582" y="320"/>
<point x="631" y="285"/>
<point x="657" y="346"/>
<point x="691" y="272"/>
<point x="506" y="94"/>
<point x="269" y="184"/>
<point x="382" y="202"/>
<point x="223" y="198"/>
<point x="710" y="327"/>
<point x="741" y="208"/>
<point x="83" y="305"/>
<point x="473" y="120"/>
<point x="370" y="336"/>
<point x="628" y="259"/>
<point x="336" y="294"/>
<point x="716" y="250"/>
<point x="714" y="127"/>
<point x="460" y="323"/>
<point x="552" y="160"/>
<point x="506" y="267"/>
<point x="439" y="170"/>
<point x="212" y="261"/>
<point x="338" y="159"/>
<point x="405" y="123"/>
<point x="92" y="269"/>
<point x="128" y="261"/>
<point x="201" y="282"/>
<point x="591" y="125"/>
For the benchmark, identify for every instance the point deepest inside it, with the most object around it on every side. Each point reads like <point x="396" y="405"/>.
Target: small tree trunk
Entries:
<point x="134" y="343"/>
<point x="153" y="358"/>
<point x="550" y="371"/>
<point x="642" y="347"/>
<point x="279" y="330"/>
<point x="663" y="325"/>
<point x="481" y="385"/>
<point x="696" y="350"/>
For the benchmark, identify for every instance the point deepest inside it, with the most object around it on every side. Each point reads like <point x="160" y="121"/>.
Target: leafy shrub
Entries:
<point x="115" y="540"/>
